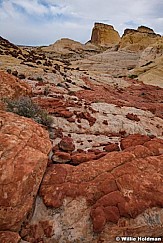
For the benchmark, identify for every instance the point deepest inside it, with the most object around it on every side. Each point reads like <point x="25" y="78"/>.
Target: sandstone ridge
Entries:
<point x="138" y="40"/>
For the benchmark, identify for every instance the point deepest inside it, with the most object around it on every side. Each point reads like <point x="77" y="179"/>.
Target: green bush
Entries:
<point x="24" y="106"/>
<point x="132" y="76"/>
<point x="39" y="79"/>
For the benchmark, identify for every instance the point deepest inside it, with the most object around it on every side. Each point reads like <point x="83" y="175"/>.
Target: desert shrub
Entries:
<point x="21" y="76"/>
<point x="9" y="71"/>
<point x="15" y="73"/>
<point x="46" y="90"/>
<point x="132" y="76"/>
<point x="24" y="106"/>
<point x="39" y="79"/>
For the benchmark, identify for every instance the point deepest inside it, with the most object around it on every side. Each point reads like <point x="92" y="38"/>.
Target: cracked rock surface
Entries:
<point x="23" y="159"/>
<point x="97" y="199"/>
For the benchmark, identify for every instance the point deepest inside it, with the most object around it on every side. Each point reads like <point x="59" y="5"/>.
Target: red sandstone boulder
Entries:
<point x="66" y="144"/>
<point x="61" y="157"/>
<point x="100" y="155"/>
<point x="12" y="87"/>
<point x="79" y="158"/>
<point x="111" y="147"/>
<point x="24" y="146"/>
<point x="87" y="116"/>
<point x="71" y="119"/>
<point x="132" y="117"/>
<point x="66" y="113"/>
<point x="134" y="139"/>
<point x="98" y="218"/>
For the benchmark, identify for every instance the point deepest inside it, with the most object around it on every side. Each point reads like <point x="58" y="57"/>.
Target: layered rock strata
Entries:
<point x="138" y="40"/>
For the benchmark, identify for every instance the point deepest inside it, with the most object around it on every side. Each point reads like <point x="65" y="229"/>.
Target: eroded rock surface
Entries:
<point x="23" y="159"/>
<point x="9" y="237"/>
<point x="104" y="35"/>
<point x="149" y="67"/>
<point x="104" y="171"/>
<point x="69" y="50"/>
<point x="138" y="40"/>
<point x="12" y="87"/>
<point x="103" y="196"/>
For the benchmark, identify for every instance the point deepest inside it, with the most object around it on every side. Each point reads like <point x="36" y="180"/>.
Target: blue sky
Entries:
<point x="42" y="22"/>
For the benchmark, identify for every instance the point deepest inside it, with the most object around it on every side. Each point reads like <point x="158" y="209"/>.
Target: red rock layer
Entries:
<point x="145" y="97"/>
<point x="23" y="159"/>
<point x="12" y="87"/>
<point x="111" y="185"/>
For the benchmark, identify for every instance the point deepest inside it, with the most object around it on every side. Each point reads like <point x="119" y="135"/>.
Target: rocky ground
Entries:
<point x="96" y="172"/>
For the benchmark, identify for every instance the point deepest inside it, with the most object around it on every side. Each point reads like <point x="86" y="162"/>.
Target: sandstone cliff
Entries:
<point x="104" y="35"/>
<point x="138" y="40"/>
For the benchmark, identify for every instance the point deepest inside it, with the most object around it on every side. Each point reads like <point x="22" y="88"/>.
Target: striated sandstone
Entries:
<point x="115" y="63"/>
<point x="23" y="148"/>
<point x="104" y="35"/>
<point x="151" y="53"/>
<point x="145" y="97"/>
<point x="150" y="65"/>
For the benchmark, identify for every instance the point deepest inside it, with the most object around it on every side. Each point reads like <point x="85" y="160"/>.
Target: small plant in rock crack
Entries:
<point x="46" y="90"/>
<point x="24" y="106"/>
<point x="132" y="76"/>
<point x="40" y="79"/>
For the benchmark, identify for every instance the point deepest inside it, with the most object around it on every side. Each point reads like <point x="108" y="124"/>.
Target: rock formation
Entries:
<point x="70" y="49"/>
<point x="24" y="147"/>
<point x="96" y="171"/>
<point x="6" y="44"/>
<point x="99" y="199"/>
<point x="104" y="35"/>
<point x="110" y="62"/>
<point x="12" y="87"/>
<point x="150" y="65"/>
<point x="138" y="40"/>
